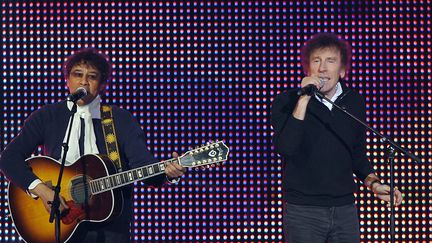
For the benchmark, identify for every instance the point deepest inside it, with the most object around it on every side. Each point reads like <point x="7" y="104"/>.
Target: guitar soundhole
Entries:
<point x="80" y="190"/>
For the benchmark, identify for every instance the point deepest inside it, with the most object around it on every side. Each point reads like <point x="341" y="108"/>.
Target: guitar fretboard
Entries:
<point x="110" y="182"/>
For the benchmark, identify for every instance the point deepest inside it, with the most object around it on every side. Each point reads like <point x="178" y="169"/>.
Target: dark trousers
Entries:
<point x="104" y="236"/>
<point x="302" y="224"/>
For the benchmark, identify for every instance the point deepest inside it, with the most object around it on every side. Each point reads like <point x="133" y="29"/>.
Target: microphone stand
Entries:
<point x="55" y="205"/>
<point x="390" y="156"/>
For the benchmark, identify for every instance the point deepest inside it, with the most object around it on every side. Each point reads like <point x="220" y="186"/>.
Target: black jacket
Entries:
<point x="320" y="153"/>
<point x="46" y="127"/>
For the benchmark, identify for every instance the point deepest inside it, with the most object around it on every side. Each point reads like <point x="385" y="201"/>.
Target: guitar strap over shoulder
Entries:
<point x="110" y="136"/>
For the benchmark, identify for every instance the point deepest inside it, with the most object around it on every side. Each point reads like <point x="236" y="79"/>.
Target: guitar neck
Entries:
<point x="110" y="182"/>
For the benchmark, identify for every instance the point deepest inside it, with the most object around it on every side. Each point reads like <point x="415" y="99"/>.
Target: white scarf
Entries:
<point x="87" y="112"/>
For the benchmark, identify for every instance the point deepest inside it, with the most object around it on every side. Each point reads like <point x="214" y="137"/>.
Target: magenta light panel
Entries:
<point x="199" y="71"/>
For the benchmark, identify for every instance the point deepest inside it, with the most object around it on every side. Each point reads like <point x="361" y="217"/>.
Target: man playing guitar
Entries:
<point x="47" y="127"/>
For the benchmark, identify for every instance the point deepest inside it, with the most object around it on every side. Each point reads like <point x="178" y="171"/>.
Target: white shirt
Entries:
<point x="335" y="96"/>
<point x="88" y="113"/>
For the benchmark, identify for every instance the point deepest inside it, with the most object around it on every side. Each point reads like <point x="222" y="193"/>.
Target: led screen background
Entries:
<point x="193" y="71"/>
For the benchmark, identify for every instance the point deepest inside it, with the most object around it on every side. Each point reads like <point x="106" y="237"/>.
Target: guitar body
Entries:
<point x="91" y="188"/>
<point x="30" y="216"/>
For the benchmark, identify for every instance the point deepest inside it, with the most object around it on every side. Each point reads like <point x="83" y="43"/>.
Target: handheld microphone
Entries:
<point x="79" y="93"/>
<point x="309" y="89"/>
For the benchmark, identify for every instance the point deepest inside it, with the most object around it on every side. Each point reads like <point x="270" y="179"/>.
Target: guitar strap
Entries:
<point x="110" y="136"/>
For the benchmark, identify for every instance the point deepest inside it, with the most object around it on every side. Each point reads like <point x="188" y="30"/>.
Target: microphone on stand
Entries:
<point x="79" y="93"/>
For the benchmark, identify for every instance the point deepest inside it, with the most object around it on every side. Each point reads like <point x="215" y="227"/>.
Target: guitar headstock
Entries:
<point x="208" y="154"/>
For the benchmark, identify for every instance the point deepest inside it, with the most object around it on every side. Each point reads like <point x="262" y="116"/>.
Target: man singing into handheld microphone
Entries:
<point x="322" y="148"/>
<point x="87" y="73"/>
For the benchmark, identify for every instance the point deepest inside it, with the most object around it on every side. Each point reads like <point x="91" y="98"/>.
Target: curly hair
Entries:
<point x="92" y="57"/>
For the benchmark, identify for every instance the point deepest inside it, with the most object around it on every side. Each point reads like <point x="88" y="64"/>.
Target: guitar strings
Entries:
<point x="81" y="188"/>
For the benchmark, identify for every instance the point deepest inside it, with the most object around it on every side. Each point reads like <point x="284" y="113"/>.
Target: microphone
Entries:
<point x="309" y="89"/>
<point x="79" y="93"/>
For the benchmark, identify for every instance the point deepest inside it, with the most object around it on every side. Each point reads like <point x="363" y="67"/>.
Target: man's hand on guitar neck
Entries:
<point x="46" y="194"/>
<point x="174" y="170"/>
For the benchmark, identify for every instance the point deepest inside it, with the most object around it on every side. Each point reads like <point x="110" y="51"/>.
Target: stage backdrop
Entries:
<point x="195" y="71"/>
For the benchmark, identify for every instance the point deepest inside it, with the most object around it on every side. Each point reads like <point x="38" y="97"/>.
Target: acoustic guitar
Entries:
<point x="91" y="188"/>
